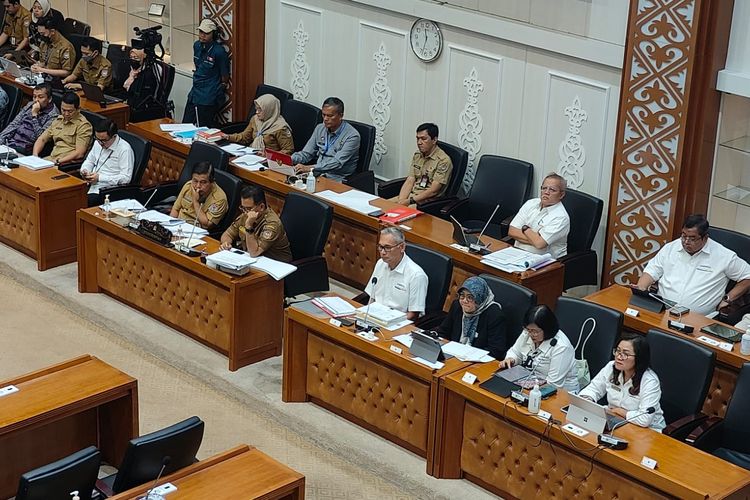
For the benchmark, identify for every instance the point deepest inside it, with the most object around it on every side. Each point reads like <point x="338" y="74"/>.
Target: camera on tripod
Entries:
<point x="147" y="40"/>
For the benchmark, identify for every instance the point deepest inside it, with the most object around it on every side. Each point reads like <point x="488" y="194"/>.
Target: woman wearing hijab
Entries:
<point x="41" y="9"/>
<point x="476" y="319"/>
<point x="267" y="128"/>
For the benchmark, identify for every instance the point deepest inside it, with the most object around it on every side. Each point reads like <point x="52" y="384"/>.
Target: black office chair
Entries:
<point x="93" y="118"/>
<point x="168" y="74"/>
<point x="728" y="438"/>
<point x="282" y="95"/>
<point x="439" y="270"/>
<point x="77" y="41"/>
<point x="167" y="191"/>
<point x="585" y="212"/>
<point x="307" y="222"/>
<point x="75" y="165"/>
<point x="302" y="119"/>
<point x="515" y="301"/>
<point x="685" y="370"/>
<point x="363" y="178"/>
<point x="231" y="185"/>
<point x="574" y="315"/>
<point x="145" y="456"/>
<point x="74" y="27"/>
<point x="459" y="158"/>
<point x="55" y="481"/>
<point x="15" y="96"/>
<point x="119" y="56"/>
<point x="141" y="153"/>
<point x="739" y="243"/>
<point x="498" y="180"/>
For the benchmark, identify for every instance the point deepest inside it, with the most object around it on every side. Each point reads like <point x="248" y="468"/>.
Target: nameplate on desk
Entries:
<point x="575" y="430"/>
<point x="395" y="349"/>
<point x="335" y="322"/>
<point x="544" y="415"/>
<point x="8" y="389"/>
<point x="404" y="227"/>
<point x="724" y="346"/>
<point x="459" y="247"/>
<point x="631" y="312"/>
<point x="368" y="336"/>
<point x="469" y="378"/>
<point x="648" y="462"/>
<point x="164" y="489"/>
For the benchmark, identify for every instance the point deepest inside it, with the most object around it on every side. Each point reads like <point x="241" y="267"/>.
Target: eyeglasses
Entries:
<point x="245" y="210"/>
<point x="691" y="239"/>
<point x="466" y="296"/>
<point x="621" y="354"/>
<point x="387" y="248"/>
<point x="103" y="141"/>
<point x="532" y="331"/>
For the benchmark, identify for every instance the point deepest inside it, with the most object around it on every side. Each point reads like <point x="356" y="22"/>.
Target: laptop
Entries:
<point x="94" y="93"/>
<point x="591" y="416"/>
<point x="282" y="169"/>
<point x="643" y="299"/>
<point x="13" y="70"/>
<point x="425" y="347"/>
<point x="474" y="243"/>
<point x="281" y="158"/>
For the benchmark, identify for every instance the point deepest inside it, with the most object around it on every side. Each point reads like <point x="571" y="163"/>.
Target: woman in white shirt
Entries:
<point x="631" y="386"/>
<point x="544" y="349"/>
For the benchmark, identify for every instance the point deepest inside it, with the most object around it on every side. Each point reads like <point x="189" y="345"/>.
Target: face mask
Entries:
<point x="44" y="38"/>
<point x="88" y="58"/>
<point x="135" y="64"/>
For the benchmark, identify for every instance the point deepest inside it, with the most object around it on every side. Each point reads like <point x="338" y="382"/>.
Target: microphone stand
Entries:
<point x="185" y="249"/>
<point x="156" y="496"/>
<point x="363" y="326"/>
<point x="134" y="224"/>
<point x="617" y="443"/>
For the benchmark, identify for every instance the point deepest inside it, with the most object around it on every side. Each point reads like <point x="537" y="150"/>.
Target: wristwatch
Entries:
<point x="411" y="201"/>
<point x="524" y="228"/>
<point x="726" y="299"/>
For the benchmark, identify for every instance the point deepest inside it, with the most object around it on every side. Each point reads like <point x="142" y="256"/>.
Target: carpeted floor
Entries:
<point x="45" y="320"/>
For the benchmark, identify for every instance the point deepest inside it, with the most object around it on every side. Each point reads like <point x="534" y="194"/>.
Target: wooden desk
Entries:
<point x="351" y="251"/>
<point x="238" y="316"/>
<point x="37" y="214"/>
<point x="62" y="409"/>
<point x="728" y="364"/>
<point x="242" y="472"/>
<point x="488" y="440"/>
<point x="381" y="390"/>
<point x="118" y="112"/>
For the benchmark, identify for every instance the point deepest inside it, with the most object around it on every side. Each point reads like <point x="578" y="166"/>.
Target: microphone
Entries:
<point x="618" y="443"/>
<point x="478" y="246"/>
<point x="197" y="118"/>
<point x="134" y="224"/>
<point x="363" y="326"/>
<point x="674" y="310"/>
<point x="164" y="462"/>
<point x="520" y="396"/>
<point x="183" y="248"/>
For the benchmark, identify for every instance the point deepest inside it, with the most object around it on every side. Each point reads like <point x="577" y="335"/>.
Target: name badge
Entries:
<point x="13" y="40"/>
<point x="616" y="388"/>
<point x="423" y="181"/>
<point x="400" y="287"/>
<point x="704" y="269"/>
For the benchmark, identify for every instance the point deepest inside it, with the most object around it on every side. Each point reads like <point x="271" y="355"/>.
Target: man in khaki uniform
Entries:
<point x="258" y="230"/>
<point x="201" y="201"/>
<point x="15" y="35"/>
<point x="430" y="169"/>
<point x="93" y="67"/>
<point x="70" y="132"/>
<point x="56" y="53"/>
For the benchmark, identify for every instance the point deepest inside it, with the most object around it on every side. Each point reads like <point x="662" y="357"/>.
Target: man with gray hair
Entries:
<point x="542" y="224"/>
<point x="399" y="282"/>
<point x="333" y="149"/>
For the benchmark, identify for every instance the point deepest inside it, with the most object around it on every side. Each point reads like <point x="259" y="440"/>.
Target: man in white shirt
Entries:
<point x="542" y="224"/>
<point x="400" y="283"/>
<point x="694" y="271"/>
<point x="109" y="163"/>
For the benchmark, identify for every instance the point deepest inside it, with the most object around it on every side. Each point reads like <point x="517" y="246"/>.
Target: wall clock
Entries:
<point x="426" y="40"/>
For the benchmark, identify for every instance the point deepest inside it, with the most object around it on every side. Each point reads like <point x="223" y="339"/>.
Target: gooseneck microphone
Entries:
<point x="618" y="443"/>
<point x="164" y="462"/>
<point x="364" y="326"/>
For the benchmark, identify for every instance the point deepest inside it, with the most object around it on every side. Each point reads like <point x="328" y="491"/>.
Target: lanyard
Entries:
<point x="330" y="142"/>
<point x="98" y="165"/>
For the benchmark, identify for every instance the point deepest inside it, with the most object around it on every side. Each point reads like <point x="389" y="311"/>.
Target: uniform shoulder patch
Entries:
<point x="27" y="23"/>
<point x="105" y="71"/>
<point x="442" y="168"/>
<point x="267" y="234"/>
<point x="66" y="54"/>
<point x="213" y="208"/>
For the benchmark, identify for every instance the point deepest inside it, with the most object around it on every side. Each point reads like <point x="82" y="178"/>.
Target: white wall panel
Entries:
<point x="307" y="22"/>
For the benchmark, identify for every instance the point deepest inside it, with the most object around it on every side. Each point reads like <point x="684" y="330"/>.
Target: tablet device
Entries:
<point x="723" y="332"/>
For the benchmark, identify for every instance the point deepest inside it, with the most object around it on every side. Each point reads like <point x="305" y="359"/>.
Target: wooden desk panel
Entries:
<point x="117" y="112"/>
<point x="62" y="409"/>
<point x="351" y="247"/>
<point x="238" y="316"/>
<point x="490" y="441"/>
<point x="167" y="155"/>
<point x="381" y="390"/>
<point x="37" y="214"/>
<point x="728" y="364"/>
<point x="242" y="472"/>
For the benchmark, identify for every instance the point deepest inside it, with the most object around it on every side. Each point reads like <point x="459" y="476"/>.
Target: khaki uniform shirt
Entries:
<point x="436" y="167"/>
<point x="279" y="140"/>
<point x="269" y="233"/>
<point x="214" y="206"/>
<point x="97" y="72"/>
<point x="59" y="54"/>
<point x="68" y="136"/>
<point x="17" y="27"/>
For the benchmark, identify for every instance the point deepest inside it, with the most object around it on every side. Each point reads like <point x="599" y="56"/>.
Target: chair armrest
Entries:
<point x="165" y="190"/>
<point x="363" y="181"/>
<point x="311" y="276"/>
<point x="234" y="127"/>
<point x="70" y="166"/>
<point x="682" y="427"/>
<point x="122" y="192"/>
<point x="430" y="320"/>
<point x="580" y="268"/>
<point x="434" y="206"/>
<point x="453" y="205"/>
<point x="505" y="224"/>
<point x="733" y="313"/>
<point x="707" y="435"/>
<point x="507" y="239"/>
<point x="362" y="298"/>
<point x="391" y="188"/>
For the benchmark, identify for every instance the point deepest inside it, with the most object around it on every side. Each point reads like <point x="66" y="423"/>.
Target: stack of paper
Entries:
<point x="237" y="149"/>
<point x="277" y="269"/>
<point x="177" y="127"/>
<point x="175" y="226"/>
<point x="359" y="201"/>
<point x="249" y="162"/>
<point x="34" y="162"/>
<point x="230" y="260"/>
<point x="127" y="204"/>
<point x="334" y="306"/>
<point x="514" y="259"/>
<point x="465" y="352"/>
<point x="381" y="315"/>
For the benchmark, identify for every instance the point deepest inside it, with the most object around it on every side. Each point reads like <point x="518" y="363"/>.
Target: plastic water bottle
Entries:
<point x="310" y="183"/>
<point x="107" y="206"/>
<point x="535" y="399"/>
<point x="745" y="344"/>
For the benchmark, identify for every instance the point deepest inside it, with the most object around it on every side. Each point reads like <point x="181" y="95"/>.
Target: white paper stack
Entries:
<point x="381" y="315"/>
<point x="249" y="162"/>
<point x="514" y="259"/>
<point x="334" y="306"/>
<point x="237" y="149"/>
<point x="465" y="352"/>
<point x="359" y="201"/>
<point x="277" y="269"/>
<point x="237" y="261"/>
<point x="175" y="226"/>
<point x="34" y="162"/>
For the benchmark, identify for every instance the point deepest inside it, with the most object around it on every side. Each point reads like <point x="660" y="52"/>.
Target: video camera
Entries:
<point x="148" y="39"/>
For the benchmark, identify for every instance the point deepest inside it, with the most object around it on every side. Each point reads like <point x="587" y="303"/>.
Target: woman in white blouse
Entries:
<point x="630" y="385"/>
<point x="544" y="349"/>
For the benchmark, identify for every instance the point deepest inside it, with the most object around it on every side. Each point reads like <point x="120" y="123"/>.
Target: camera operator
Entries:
<point x="209" y="78"/>
<point x="144" y="85"/>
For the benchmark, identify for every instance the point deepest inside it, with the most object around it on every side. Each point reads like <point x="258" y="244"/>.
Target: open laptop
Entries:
<point x="13" y="70"/>
<point x="474" y="243"/>
<point x="281" y="158"/>
<point x="282" y="169"/>
<point x="590" y="416"/>
<point x="643" y="299"/>
<point x="94" y="93"/>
